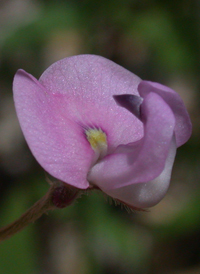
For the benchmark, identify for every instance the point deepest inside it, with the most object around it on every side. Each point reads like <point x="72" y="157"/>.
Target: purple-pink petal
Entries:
<point x="148" y="194"/>
<point x="88" y="83"/>
<point x="131" y="102"/>
<point x="142" y="124"/>
<point x="44" y="128"/>
<point x="145" y="161"/>
<point x="183" y="127"/>
<point x="73" y="95"/>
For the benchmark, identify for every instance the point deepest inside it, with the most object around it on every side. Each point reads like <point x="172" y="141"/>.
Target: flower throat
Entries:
<point x="98" y="141"/>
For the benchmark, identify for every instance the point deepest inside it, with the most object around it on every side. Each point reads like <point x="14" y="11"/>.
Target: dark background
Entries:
<point x="158" y="41"/>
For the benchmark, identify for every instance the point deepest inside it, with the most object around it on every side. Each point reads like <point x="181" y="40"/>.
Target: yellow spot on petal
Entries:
<point x="98" y="141"/>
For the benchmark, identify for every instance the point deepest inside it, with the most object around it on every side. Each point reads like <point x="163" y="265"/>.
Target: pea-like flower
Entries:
<point x="92" y="124"/>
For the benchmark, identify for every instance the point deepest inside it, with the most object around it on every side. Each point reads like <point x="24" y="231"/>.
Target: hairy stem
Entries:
<point x="30" y="216"/>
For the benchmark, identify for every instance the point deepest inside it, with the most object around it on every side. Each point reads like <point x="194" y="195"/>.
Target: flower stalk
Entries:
<point x="56" y="197"/>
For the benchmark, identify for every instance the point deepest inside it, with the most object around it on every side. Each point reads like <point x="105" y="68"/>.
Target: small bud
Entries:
<point x="64" y="195"/>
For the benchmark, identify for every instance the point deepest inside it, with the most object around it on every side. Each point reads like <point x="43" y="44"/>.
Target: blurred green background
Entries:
<point x="157" y="40"/>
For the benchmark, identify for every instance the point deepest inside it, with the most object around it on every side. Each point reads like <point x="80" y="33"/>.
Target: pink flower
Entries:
<point x="92" y="124"/>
